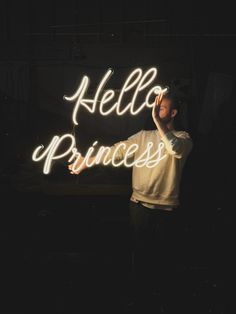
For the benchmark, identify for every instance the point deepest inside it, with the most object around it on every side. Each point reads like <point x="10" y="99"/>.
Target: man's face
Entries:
<point x="165" y="112"/>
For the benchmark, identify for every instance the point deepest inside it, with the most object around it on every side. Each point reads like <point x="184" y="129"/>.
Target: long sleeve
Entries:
<point x="121" y="147"/>
<point x="178" y="146"/>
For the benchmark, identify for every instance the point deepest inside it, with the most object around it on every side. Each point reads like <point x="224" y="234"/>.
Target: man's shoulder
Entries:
<point x="143" y="135"/>
<point x="179" y="133"/>
<point x="148" y="132"/>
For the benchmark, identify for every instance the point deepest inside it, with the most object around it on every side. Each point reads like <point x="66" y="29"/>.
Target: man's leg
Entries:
<point x="142" y="240"/>
<point x="166" y="255"/>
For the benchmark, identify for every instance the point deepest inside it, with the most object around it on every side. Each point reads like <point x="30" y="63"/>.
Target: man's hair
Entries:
<point x="175" y="100"/>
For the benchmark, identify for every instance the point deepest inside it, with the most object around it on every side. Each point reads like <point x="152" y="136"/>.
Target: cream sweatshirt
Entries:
<point x="158" y="186"/>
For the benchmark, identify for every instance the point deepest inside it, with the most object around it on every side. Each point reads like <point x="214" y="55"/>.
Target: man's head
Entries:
<point x="169" y="108"/>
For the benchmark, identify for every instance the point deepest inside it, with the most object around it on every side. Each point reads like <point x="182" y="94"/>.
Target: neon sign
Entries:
<point x="138" y="81"/>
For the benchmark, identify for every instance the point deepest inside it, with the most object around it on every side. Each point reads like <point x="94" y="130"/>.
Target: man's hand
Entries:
<point x="80" y="165"/>
<point x="156" y="108"/>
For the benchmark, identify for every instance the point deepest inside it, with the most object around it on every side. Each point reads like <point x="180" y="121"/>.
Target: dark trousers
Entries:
<point x="154" y="248"/>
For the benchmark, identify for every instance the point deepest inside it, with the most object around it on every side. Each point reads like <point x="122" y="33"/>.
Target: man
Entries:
<point x="154" y="200"/>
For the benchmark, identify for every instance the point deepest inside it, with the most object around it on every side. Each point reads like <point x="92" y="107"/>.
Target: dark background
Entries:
<point x="64" y="238"/>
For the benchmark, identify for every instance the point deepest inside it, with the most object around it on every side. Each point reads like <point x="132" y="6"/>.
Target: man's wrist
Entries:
<point x="162" y="127"/>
